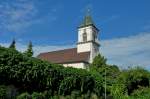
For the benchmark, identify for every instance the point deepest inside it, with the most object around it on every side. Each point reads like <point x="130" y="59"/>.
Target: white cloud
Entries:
<point x="17" y="14"/>
<point x="124" y="52"/>
<point x="128" y="51"/>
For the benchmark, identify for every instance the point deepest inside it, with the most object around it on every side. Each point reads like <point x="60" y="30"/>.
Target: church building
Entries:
<point x="86" y="49"/>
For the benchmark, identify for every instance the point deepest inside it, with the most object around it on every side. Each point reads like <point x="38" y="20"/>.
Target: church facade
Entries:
<point x="81" y="56"/>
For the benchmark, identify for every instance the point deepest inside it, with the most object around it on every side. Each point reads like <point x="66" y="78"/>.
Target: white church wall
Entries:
<point x="94" y="52"/>
<point x="85" y="47"/>
<point x="76" y="65"/>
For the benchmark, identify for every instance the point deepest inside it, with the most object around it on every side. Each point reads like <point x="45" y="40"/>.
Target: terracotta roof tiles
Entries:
<point x="65" y="56"/>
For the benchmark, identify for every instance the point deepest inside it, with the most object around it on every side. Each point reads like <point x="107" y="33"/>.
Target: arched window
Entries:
<point x="84" y="37"/>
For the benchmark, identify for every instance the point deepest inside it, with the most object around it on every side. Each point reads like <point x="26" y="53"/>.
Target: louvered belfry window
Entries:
<point x="84" y="37"/>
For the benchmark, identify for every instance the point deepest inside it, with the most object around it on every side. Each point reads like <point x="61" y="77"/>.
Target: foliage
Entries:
<point x="134" y="78"/>
<point x="98" y="89"/>
<point x="101" y="70"/>
<point x="99" y="61"/>
<point x="118" y="91"/>
<point x="29" y="51"/>
<point x="2" y="91"/>
<point x="142" y="93"/>
<point x="33" y="78"/>
<point x="36" y="95"/>
<point x="31" y="74"/>
<point x="24" y="96"/>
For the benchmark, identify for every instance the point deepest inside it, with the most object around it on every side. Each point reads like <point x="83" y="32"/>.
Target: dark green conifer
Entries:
<point x="29" y="51"/>
<point x="13" y="44"/>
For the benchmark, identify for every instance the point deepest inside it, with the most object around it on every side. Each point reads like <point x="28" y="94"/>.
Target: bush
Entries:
<point x="36" y="95"/>
<point x="2" y="92"/>
<point x="142" y="93"/>
<point x="134" y="78"/>
<point x="118" y="91"/>
<point x="24" y="96"/>
<point x="30" y="75"/>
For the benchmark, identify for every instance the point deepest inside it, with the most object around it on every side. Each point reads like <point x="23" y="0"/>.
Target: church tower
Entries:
<point x="88" y="37"/>
<point x="86" y="50"/>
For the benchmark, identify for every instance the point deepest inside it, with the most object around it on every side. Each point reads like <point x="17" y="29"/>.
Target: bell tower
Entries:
<point x="88" y="37"/>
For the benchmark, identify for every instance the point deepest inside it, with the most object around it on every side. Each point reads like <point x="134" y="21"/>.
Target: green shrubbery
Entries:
<point x="141" y="93"/>
<point x="134" y="79"/>
<point x="29" y="74"/>
<point x="25" y="77"/>
<point x="24" y="96"/>
<point x="2" y="92"/>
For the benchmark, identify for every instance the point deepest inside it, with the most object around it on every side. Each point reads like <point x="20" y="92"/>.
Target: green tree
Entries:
<point x="29" y="51"/>
<point x="108" y="73"/>
<point x="13" y="44"/>
<point x="99" y="61"/>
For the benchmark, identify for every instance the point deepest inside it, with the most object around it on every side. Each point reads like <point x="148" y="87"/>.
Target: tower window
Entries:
<point x="84" y="37"/>
<point x="95" y="36"/>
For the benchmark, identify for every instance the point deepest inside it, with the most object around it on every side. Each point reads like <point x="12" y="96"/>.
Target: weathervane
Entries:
<point x="88" y="10"/>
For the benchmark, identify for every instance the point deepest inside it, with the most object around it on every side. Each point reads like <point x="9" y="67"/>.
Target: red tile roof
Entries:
<point x="65" y="56"/>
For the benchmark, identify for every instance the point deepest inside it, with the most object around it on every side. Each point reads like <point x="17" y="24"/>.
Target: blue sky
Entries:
<point x="52" y="24"/>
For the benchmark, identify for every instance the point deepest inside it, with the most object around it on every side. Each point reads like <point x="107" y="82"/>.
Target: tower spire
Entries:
<point x="87" y="19"/>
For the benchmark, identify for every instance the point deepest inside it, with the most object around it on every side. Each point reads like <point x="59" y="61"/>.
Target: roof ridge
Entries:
<point x="65" y="55"/>
<point x="58" y="50"/>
